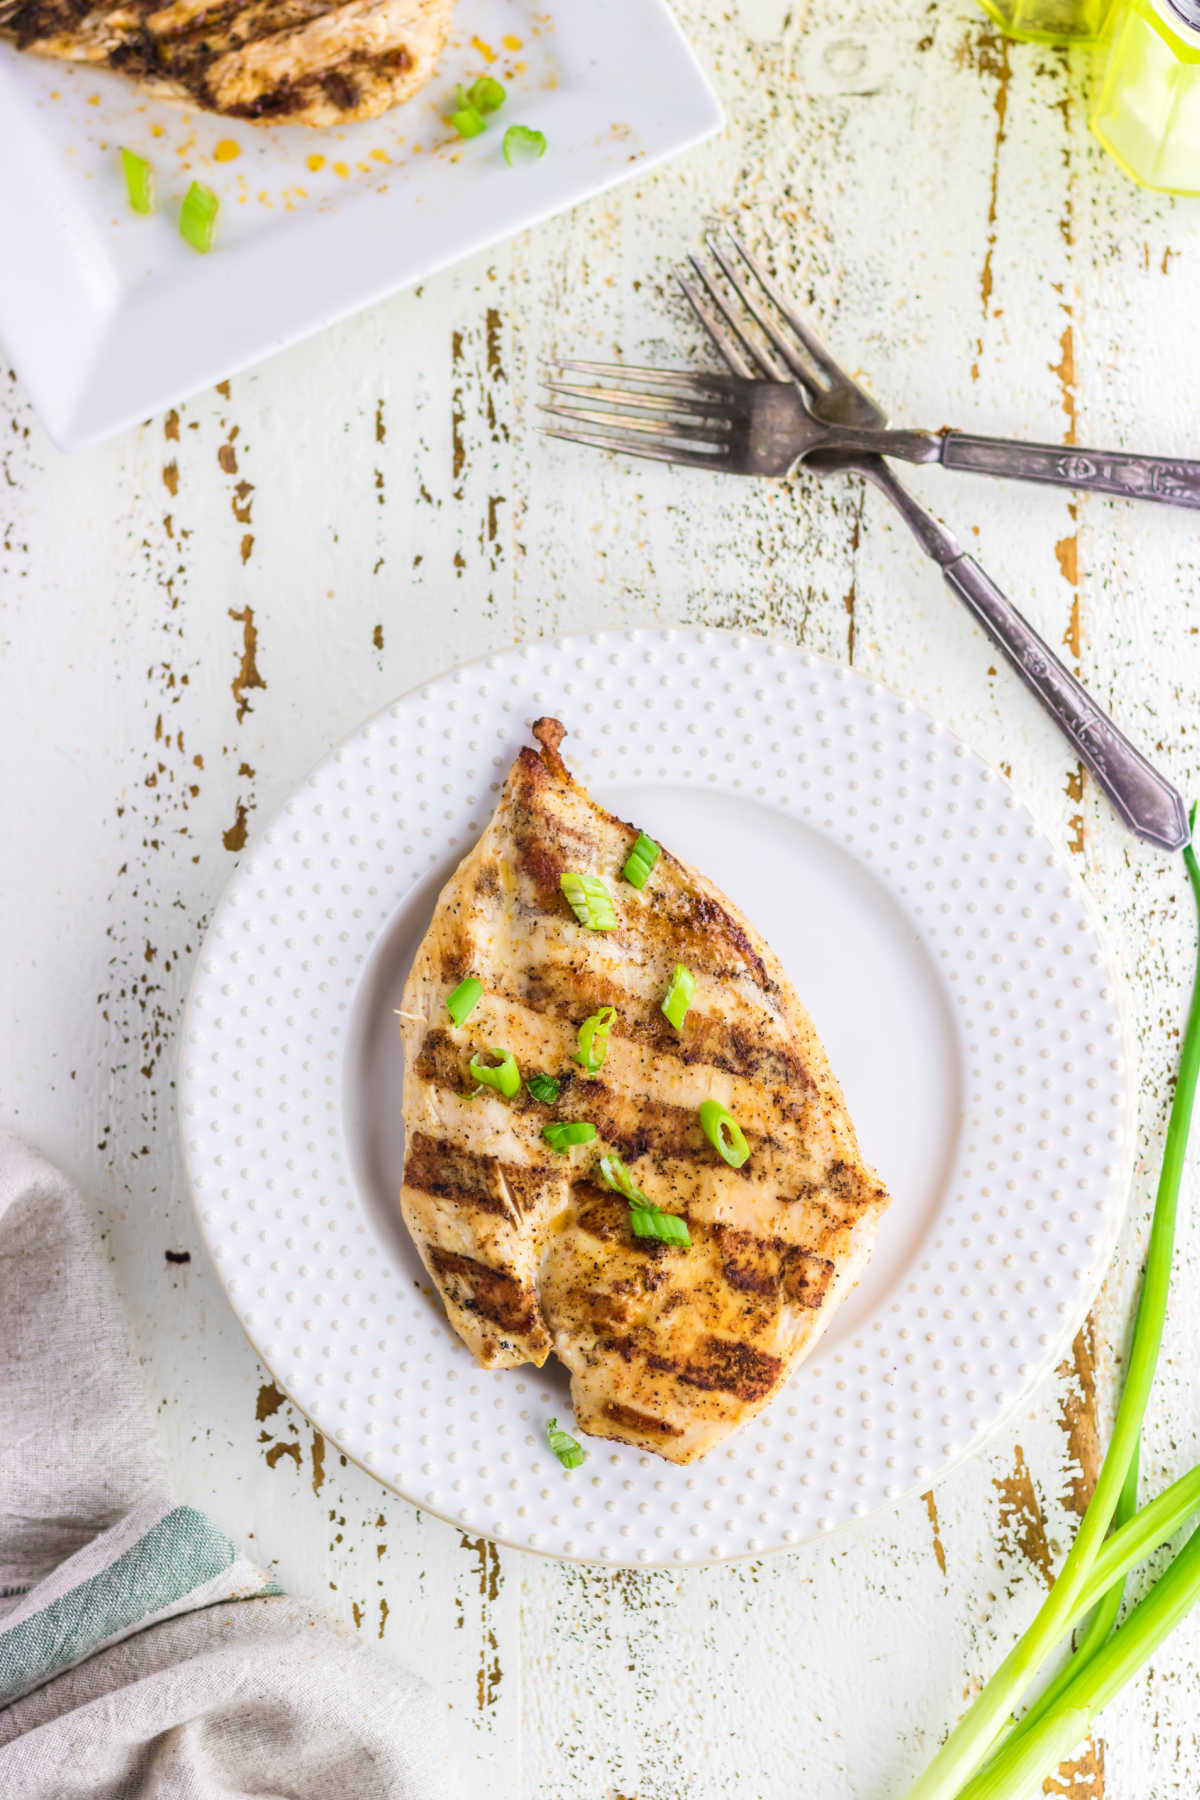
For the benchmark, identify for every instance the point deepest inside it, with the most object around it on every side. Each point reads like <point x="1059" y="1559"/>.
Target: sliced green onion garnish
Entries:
<point x="679" y="996"/>
<point x="645" y="1219"/>
<point x="641" y="860"/>
<point x="467" y="119"/>
<point x="724" y="1133"/>
<point x="522" y="144"/>
<point x="465" y="998"/>
<point x="593" y="1040"/>
<point x="486" y="95"/>
<point x="589" y="900"/>
<point x="652" y="1222"/>
<point x="198" y="217"/>
<point x="504" y="1075"/>
<point x="569" y="1452"/>
<point x="987" y="1755"/>
<point x="618" y="1178"/>
<point x="570" y="1131"/>
<point x="544" y="1088"/>
<point x="139" y="180"/>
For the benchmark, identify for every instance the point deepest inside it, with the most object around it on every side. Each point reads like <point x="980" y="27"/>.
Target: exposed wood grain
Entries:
<point x="192" y="614"/>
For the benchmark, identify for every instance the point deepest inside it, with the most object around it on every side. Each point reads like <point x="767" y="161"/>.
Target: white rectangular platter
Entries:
<point x="109" y="316"/>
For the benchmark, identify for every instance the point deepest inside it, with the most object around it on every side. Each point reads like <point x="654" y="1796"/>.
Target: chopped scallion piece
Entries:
<point x="679" y="996"/>
<point x="618" y="1178"/>
<point x="593" y="1040"/>
<point x="570" y="1131"/>
<point x="988" y="1755"/>
<point x="568" y="1450"/>
<point x="544" y="1088"/>
<point x="641" y="860"/>
<point x="523" y="144"/>
<point x="504" y="1075"/>
<point x="467" y="119"/>
<point x="198" y="217"/>
<point x="652" y="1221"/>
<point x="589" y="900"/>
<point x="645" y="1219"/>
<point x="724" y="1133"/>
<point x="465" y="998"/>
<point x="486" y="95"/>
<point x="139" y="181"/>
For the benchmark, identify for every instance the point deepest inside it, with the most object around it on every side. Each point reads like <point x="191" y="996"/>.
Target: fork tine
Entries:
<point x="614" y="424"/>
<point x="727" y="344"/>
<point x="661" y="405"/>
<point x="832" y="371"/>
<point x="766" y="362"/>
<point x="802" y="368"/>
<point x="653" y="452"/>
<point x="680" y="381"/>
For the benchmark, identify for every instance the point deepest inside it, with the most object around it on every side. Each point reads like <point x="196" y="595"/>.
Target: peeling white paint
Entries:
<point x="948" y="226"/>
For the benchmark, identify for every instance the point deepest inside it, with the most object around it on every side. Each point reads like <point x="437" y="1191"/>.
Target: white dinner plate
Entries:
<point x="109" y="316"/>
<point x="949" y="963"/>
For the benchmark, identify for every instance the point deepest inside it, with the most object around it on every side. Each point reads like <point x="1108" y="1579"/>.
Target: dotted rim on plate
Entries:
<point x="1031" y="1208"/>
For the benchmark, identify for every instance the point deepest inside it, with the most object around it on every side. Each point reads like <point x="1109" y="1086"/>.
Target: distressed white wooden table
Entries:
<point x="192" y="614"/>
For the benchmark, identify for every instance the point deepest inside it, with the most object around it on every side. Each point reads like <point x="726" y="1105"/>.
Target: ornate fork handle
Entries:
<point x="1104" y="471"/>
<point x="1146" y="801"/>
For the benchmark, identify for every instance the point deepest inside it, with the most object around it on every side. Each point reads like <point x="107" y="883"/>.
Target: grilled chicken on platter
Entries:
<point x="298" y="62"/>
<point x="670" y="1345"/>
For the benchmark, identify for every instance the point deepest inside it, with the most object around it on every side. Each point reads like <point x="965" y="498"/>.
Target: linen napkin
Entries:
<point x="140" y="1652"/>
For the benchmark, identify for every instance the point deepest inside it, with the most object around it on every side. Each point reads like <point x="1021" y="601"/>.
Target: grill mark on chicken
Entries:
<point x="768" y="1266"/>
<point x="444" y="1169"/>
<point x="707" y="1039"/>
<point x="571" y="996"/>
<point x="312" y="62"/>
<point x="669" y="1348"/>
<point x="489" y="1292"/>
<point x="722" y="1366"/>
<point x="841" y="1180"/>
<point x="443" y="1063"/>
<point x="655" y="1128"/>
<point x="633" y="1420"/>
<point x="652" y="1128"/>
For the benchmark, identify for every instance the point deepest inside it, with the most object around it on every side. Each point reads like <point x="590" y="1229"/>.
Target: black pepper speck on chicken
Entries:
<point x="669" y="1347"/>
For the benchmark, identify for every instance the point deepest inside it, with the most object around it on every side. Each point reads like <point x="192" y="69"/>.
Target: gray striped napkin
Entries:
<point x="140" y="1652"/>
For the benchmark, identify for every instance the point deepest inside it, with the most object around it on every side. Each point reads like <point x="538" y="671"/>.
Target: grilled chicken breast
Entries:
<point x="299" y="62"/>
<point x="669" y="1348"/>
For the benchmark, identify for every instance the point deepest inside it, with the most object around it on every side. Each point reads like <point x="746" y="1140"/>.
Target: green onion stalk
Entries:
<point x="1002" y="1759"/>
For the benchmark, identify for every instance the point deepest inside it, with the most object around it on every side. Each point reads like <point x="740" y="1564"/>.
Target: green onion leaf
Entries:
<point x="569" y="1452"/>
<point x="521" y="144"/>
<point x="645" y="1219"/>
<point x="467" y="120"/>
<point x="724" y="1133"/>
<point x="589" y="900"/>
<point x="641" y="860"/>
<point x="198" y="217"/>
<point x="504" y="1075"/>
<point x="544" y="1088"/>
<point x="465" y="998"/>
<point x="593" y="1040"/>
<point x="679" y="995"/>
<point x="970" y="1765"/>
<point x="139" y="181"/>
<point x="486" y="95"/>
<point x="569" y="1131"/>
<point x="651" y="1221"/>
<point x="618" y="1178"/>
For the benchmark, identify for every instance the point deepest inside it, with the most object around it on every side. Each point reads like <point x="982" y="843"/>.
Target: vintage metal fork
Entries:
<point x="784" y="349"/>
